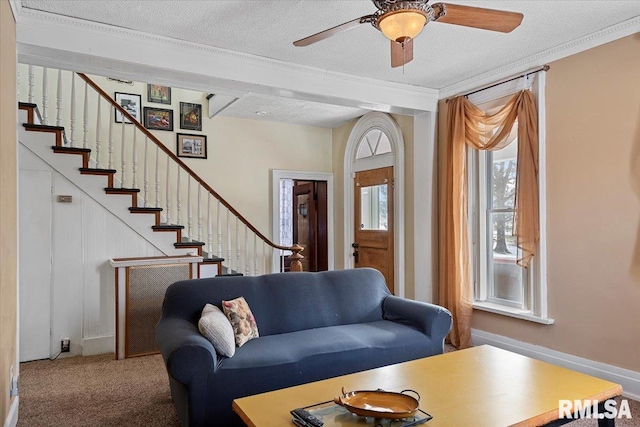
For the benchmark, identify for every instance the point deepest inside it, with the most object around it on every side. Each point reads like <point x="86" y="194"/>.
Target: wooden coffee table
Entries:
<point x="480" y="386"/>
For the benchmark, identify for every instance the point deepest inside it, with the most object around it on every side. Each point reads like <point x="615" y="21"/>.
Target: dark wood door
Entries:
<point x="373" y="243"/>
<point x="310" y="223"/>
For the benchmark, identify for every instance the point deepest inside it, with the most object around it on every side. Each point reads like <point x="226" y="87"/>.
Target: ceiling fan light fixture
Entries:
<point x="402" y="24"/>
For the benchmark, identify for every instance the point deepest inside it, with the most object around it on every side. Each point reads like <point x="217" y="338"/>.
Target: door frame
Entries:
<point x="386" y="124"/>
<point x="276" y="176"/>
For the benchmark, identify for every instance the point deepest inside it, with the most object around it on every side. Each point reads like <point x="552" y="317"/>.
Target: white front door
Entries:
<point x="35" y="247"/>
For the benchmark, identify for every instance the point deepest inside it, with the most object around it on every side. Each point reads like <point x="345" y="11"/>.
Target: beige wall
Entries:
<point x="340" y="138"/>
<point x="593" y="209"/>
<point x="8" y="204"/>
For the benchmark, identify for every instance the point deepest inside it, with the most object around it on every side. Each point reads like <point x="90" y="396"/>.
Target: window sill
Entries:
<point x="511" y="312"/>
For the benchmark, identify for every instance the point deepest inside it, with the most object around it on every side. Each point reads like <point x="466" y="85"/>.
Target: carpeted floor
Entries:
<point x="95" y="391"/>
<point x="99" y="391"/>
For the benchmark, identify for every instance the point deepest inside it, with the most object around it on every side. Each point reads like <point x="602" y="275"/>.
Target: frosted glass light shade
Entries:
<point x="406" y="23"/>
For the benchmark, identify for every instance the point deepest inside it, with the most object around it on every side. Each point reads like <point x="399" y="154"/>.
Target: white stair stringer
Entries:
<point x="68" y="165"/>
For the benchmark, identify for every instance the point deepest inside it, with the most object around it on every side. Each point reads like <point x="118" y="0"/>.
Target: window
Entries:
<point x="500" y="285"/>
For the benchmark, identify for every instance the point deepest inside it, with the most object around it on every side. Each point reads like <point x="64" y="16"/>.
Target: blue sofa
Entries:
<point x="312" y="326"/>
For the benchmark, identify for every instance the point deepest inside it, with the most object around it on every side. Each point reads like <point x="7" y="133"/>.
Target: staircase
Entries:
<point x="106" y="165"/>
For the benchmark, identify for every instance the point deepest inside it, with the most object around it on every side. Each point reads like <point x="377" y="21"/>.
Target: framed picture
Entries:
<point x="159" y="94"/>
<point x="158" y="118"/>
<point x="190" y="116"/>
<point x="192" y="146"/>
<point x="130" y="102"/>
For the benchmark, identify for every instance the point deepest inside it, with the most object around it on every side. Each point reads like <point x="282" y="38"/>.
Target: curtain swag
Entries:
<point x="468" y="125"/>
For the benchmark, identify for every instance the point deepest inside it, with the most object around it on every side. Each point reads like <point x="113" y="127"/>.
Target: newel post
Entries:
<point x="295" y="257"/>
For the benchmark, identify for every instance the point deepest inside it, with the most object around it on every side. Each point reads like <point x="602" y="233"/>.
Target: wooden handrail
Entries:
<point x="295" y="248"/>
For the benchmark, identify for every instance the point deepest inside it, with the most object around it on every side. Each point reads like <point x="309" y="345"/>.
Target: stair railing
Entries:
<point x="248" y="251"/>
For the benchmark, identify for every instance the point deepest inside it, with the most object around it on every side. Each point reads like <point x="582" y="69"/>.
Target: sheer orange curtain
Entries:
<point x="469" y="125"/>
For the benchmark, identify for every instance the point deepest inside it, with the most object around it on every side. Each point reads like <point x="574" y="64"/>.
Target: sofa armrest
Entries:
<point x="185" y="351"/>
<point x="433" y="320"/>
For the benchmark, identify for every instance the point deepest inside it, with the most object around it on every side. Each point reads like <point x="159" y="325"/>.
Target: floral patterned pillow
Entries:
<point x="242" y="321"/>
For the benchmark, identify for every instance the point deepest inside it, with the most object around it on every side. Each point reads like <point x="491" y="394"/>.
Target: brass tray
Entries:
<point x="379" y="403"/>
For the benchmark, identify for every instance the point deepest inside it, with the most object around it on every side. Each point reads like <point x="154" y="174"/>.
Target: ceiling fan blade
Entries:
<point x="401" y="52"/>
<point x="333" y="31"/>
<point x="477" y="17"/>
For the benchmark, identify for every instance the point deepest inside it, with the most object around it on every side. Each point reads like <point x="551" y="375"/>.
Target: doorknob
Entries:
<point x="355" y="245"/>
<point x="355" y="256"/>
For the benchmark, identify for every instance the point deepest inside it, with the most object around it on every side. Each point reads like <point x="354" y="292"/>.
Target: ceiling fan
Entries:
<point x="402" y="20"/>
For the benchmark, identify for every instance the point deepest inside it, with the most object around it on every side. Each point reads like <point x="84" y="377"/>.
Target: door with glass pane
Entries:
<point x="373" y="243"/>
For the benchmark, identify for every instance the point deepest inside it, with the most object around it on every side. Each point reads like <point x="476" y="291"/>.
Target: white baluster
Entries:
<point x="209" y="226"/>
<point x="31" y="78"/>
<point x="123" y="156"/>
<point x="146" y="172"/>
<point x="168" y="189"/>
<point x="255" y="254"/>
<point x="59" y="100"/>
<point x="111" y="120"/>
<point x="158" y="176"/>
<point x="219" y="230"/>
<point x="178" y="195"/>
<point x="99" y="132"/>
<point x="246" y="250"/>
<point x="189" y="210"/>
<point x="85" y="118"/>
<point x="238" y="264"/>
<point x="45" y="96"/>
<point x="134" y="161"/>
<point x="264" y="256"/>
<point x="199" y="213"/>
<point x="73" y="109"/>
<point x="229" y="239"/>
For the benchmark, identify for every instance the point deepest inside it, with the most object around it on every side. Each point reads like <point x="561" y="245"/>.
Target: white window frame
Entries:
<point x="536" y="297"/>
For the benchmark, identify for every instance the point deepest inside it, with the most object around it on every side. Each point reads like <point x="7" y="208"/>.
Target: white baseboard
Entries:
<point x="629" y="380"/>
<point x="12" y="416"/>
<point x="98" y="345"/>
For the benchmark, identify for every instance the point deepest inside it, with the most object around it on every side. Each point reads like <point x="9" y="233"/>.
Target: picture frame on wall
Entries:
<point x="158" y="118"/>
<point x="190" y="116"/>
<point x="194" y="146"/>
<point x="159" y="94"/>
<point x="131" y="103"/>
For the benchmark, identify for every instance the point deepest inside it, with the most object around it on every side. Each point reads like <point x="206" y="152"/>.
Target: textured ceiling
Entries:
<point x="444" y="54"/>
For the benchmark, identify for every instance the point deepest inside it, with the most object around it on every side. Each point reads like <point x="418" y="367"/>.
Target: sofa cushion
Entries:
<point x="303" y="300"/>
<point x="215" y="326"/>
<point x="363" y="345"/>
<point x="242" y="320"/>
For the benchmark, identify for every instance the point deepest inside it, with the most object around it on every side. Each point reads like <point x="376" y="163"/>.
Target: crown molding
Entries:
<point x="55" y="40"/>
<point x="16" y="8"/>
<point x="606" y="35"/>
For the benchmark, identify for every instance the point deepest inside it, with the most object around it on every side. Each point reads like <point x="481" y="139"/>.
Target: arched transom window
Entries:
<point x="373" y="143"/>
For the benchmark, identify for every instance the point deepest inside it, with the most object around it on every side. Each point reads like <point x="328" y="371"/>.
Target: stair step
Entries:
<point x="212" y="260"/>
<point x="167" y="227"/>
<point x="145" y="210"/>
<point x="32" y="111"/>
<point x="96" y="171"/>
<point x="36" y="127"/>
<point x="71" y="150"/>
<point x="230" y="275"/>
<point x="193" y="244"/>
<point x="58" y="131"/>
<point x="113" y="190"/>
<point x="84" y="152"/>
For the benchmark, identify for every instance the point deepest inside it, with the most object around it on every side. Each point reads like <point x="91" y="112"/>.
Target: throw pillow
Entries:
<point x="242" y="321"/>
<point x="215" y="326"/>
